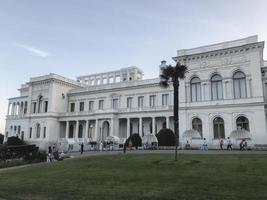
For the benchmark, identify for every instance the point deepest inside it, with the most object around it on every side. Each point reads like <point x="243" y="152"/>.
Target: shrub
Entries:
<point x="14" y="141"/>
<point x="136" y="140"/>
<point x="1" y="138"/>
<point x="166" y="137"/>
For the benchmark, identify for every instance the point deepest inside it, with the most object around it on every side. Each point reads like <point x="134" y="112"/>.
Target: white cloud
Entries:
<point x="33" y="50"/>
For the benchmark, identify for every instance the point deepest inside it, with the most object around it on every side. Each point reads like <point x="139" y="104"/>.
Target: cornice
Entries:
<point x="239" y="50"/>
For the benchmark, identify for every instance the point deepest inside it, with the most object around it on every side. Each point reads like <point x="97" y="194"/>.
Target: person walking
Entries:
<point x="82" y="148"/>
<point x="229" y="144"/>
<point x="124" y="147"/>
<point x="221" y="144"/>
<point x="205" y="145"/>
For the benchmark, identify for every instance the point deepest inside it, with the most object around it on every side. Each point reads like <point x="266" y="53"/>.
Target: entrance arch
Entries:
<point x="105" y="130"/>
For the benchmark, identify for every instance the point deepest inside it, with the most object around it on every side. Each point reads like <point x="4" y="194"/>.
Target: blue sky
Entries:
<point x="78" y="37"/>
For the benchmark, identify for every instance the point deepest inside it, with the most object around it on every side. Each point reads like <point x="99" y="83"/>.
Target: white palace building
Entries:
<point x="224" y="89"/>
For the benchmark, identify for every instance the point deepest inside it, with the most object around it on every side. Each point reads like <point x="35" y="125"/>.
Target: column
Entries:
<point x="77" y="130"/>
<point x="86" y="130"/>
<point x="128" y="127"/>
<point x="8" y="109"/>
<point x="67" y="129"/>
<point x="111" y="127"/>
<point x="114" y="78"/>
<point x="203" y="91"/>
<point x="248" y="86"/>
<point x="141" y="127"/>
<point x="167" y="122"/>
<point x="96" y="129"/>
<point x="153" y="125"/>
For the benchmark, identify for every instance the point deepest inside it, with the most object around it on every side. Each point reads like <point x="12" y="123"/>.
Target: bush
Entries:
<point x="35" y="156"/>
<point x="14" y="141"/>
<point x="1" y="138"/>
<point x="136" y="140"/>
<point x="166" y="137"/>
<point x="19" y="151"/>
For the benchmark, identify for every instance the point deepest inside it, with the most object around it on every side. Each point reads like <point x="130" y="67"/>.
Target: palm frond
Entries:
<point x="180" y="70"/>
<point x="164" y="84"/>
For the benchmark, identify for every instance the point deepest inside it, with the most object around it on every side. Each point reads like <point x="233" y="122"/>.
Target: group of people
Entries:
<point x="52" y="153"/>
<point x="228" y="142"/>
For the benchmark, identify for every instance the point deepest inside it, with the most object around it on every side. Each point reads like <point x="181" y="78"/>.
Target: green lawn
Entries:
<point x="141" y="177"/>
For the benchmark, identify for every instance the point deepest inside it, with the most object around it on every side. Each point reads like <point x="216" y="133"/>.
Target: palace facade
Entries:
<point x="224" y="89"/>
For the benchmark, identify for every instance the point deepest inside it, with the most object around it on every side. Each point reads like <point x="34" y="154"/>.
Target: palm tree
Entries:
<point x="170" y="75"/>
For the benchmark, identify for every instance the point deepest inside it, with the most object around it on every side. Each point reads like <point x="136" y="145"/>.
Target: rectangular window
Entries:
<point x="44" y="132"/>
<point x="30" y="135"/>
<point x="129" y="102"/>
<point x="101" y="105"/>
<point x="152" y="100"/>
<point x="91" y="106"/>
<point x="46" y="106"/>
<point x="72" y="107"/>
<point x="165" y="99"/>
<point x="115" y="103"/>
<point x="81" y="106"/>
<point x="34" y="107"/>
<point x="140" y="102"/>
<point x="25" y="107"/>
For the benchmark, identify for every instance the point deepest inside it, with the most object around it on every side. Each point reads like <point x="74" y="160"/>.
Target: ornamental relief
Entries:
<point x="229" y="60"/>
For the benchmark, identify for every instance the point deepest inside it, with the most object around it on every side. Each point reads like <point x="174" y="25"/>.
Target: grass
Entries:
<point x="129" y="177"/>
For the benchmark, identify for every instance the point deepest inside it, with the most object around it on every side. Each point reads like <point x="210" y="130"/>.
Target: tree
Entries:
<point x="1" y="138"/>
<point x="136" y="140"/>
<point x="166" y="137"/>
<point x="170" y="75"/>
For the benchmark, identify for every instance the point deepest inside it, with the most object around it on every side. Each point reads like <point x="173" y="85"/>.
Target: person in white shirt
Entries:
<point x="205" y="145"/>
<point x="229" y="144"/>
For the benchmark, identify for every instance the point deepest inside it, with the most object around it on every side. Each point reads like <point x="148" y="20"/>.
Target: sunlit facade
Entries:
<point x="224" y="89"/>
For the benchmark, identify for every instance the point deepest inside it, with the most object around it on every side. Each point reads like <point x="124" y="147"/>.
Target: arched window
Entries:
<point x="240" y="90"/>
<point x="71" y="131"/>
<point x="216" y="87"/>
<point x="242" y="122"/>
<point x="80" y="134"/>
<point x="197" y="125"/>
<point x="218" y="128"/>
<point x="38" y="131"/>
<point x="195" y="89"/>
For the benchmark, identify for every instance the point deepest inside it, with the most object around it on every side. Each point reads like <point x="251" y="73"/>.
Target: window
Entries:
<point x="30" y="135"/>
<point x="218" y="128"/>
<point x="91" y="106"/>
<point x="25" y="107"/>
<point x="80" y="133"/>
<point x="115" y="103"/>
<point x="72" y="107"/>
<point x="195" y="89"/>
<point x="240" y="90"/>
<point x="101" y="105"/>
<point x="165" y="99"/>
<point x="140" y="102"/>
<point x="44" y="132"/>
<point x="129" y="102"/>
<point x="197" y="125"/>
<point x="71" y="131"/>
<point x="34" y="107"/>
<point x="242" y="122"/>
<point x="38" y="131"/>
<point x="216" y="87"/>
<point x="152" y="100"/>
<point x="45" y="106"/>
<point x="81" y="106"/>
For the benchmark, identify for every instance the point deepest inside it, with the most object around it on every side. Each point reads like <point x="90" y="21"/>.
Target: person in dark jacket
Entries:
<point x="82" y="148"/>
